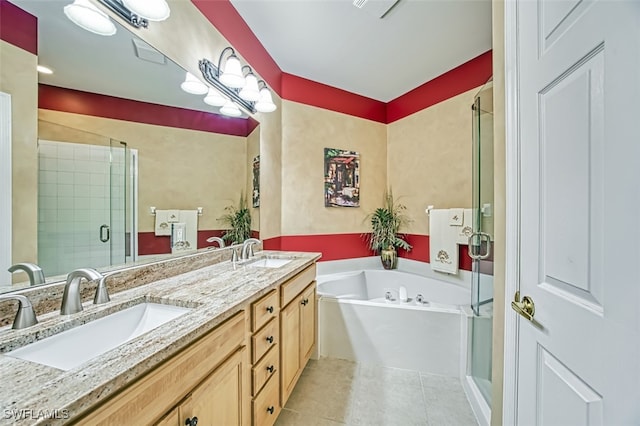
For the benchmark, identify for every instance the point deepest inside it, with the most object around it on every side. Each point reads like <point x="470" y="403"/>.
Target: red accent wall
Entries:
<point x="18" y="27"/>
<point x="79" y="102"/>
<point x="320" y="95"/>
<point x="228" y="21"/>
<point x="465" y="77"/>
<point x="348" y="246"/>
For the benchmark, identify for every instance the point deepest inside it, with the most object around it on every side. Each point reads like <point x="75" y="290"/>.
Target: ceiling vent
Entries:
<point x="148" y="53"/>
<point x="377" y="8"/>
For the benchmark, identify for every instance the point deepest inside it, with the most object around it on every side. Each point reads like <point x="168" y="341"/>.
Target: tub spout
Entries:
<point x="402" y="294"/>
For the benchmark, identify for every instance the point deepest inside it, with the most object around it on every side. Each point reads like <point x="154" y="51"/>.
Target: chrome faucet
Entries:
<point x="71" y="302"/>
<point x="247" y="247"/>
<point x="218" y="240"/>
<point x="35" y="273"/>
<point x="102" y="292"/>
<point x="26" y="316"/>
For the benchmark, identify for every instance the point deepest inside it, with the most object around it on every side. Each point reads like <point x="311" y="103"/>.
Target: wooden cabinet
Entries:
<point x="265" y="356"/>
<point x="297" y="330"/>
<point x="217" y="400"/>
<point x="217" y="366"/>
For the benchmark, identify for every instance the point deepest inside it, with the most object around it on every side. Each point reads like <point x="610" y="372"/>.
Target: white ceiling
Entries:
<point x="335" y="43"/>
<point x="328" y="41"/>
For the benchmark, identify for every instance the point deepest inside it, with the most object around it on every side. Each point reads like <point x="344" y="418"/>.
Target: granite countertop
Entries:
<point x="31" y="392"/>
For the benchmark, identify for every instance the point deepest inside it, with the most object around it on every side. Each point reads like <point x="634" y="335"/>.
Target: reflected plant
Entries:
<point x="238" y="219"/>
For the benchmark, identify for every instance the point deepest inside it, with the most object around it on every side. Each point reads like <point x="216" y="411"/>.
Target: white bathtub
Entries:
<point x="356" y="321"/>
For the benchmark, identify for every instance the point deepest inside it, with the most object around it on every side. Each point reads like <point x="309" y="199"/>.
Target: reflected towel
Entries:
<point x="443" y="247"/>
<point x="173" y="216"/>
<point x="162" y="226"/>
<point x="188" y="240"/>
<point x="456" y="217"/>
<point x="464" y="232"/>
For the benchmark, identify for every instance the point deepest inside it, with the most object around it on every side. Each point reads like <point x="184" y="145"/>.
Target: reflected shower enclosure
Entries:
<point x="86" y="199"/>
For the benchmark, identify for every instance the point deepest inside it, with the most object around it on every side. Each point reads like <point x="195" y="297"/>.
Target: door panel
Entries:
<point x="578" y="92"/>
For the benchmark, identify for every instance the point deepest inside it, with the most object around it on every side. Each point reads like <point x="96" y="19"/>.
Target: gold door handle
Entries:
<point x="526" y="307"/>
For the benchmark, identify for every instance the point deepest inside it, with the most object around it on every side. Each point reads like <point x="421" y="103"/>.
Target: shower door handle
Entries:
<point x="482" y="236"/>
<point x="104" y="233"/>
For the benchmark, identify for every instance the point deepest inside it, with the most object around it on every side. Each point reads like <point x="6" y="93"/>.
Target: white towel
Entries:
<point x="465" y="231"/>
<point x="456" y="217"/>
<point x="187" y="240"/>
<point x="443" y="247"/>
<point x="163" y="227"/>
<point x="173" y="216"/>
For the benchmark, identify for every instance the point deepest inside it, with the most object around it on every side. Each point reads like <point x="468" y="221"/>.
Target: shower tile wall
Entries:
<point x="74" y="200"/>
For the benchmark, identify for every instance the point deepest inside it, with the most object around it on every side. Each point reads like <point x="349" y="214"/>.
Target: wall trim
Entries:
<point x="5" y="187"/>
<point x="18" y="27"/>
<point x="512" y="204"/>
<point x="93" y="104"/>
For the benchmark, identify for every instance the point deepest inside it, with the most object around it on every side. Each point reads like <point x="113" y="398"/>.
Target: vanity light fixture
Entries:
<point x="243" y="91"/>
<point x="192" y="85"/>
<point x="137" y="13"/>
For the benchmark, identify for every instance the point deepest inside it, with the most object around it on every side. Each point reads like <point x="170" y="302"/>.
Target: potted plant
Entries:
<point x="239" y="220"/>
<point x="386" y="222"/>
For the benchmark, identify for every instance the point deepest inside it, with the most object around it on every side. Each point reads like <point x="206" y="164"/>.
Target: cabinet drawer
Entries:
<point x="264" y="339"/>
<point x="266" y="406"/>
<point x="263" y="310"/>
<point x="267" y="367"/>
<point x="295" y="285"/>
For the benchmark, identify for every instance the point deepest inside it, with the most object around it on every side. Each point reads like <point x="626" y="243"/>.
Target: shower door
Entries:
<point x="480" y="246"/>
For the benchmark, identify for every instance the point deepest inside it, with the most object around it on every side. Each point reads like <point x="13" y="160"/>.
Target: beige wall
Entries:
<point x="188" y="37"/>
<point x="306" y="132"/>
<point x="499" y="211"/>
<point x="177" y="168"/>
<point x="19" y="78"/>
<point x="429" y="158"/>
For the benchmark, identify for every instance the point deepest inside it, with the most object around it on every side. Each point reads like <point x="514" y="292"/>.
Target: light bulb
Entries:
<point x="232" y="75"/>
<point x="250" y="91"/>
<point x="194" y="86"/>
<point x="214" y="98"/>
<point x="152" y="10"/>
<point x="231" y="109"/>
<point x="87" y="16"/>
<point x="265" y="104"/>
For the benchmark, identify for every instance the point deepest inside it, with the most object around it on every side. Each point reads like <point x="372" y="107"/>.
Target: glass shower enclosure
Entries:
<point x="480" y="247"/>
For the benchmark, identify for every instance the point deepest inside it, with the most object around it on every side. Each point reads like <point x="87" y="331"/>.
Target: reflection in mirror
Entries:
<point x="117" y="136"/>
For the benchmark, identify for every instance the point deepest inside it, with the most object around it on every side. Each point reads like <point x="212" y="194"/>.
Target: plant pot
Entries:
<point x="389" y="258"/>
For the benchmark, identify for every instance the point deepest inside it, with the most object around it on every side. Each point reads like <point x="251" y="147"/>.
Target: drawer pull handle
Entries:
<point x="270" y="339"/>
<point x="305" y="302"/>
<point x="270" y="368"/>
<point x="193" y="421"/>
<point x="270" y="309"/>
<point x="271" y="409"/>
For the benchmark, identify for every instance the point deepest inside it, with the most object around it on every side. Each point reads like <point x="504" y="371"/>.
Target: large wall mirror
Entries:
<point x="101" y="172"/>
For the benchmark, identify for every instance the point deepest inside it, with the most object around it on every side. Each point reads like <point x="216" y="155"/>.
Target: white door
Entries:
<point x="577" y="135"/>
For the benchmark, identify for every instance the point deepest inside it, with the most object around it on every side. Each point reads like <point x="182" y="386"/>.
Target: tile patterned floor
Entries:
<point x="334" y="392"/>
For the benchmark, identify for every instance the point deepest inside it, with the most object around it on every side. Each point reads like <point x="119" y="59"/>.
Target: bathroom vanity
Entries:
<point x="233" y="358"/>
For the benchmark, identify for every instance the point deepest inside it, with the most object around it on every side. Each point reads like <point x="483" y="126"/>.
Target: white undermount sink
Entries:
<point x="74" y="347"/>
<point x="269" y="262"/>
